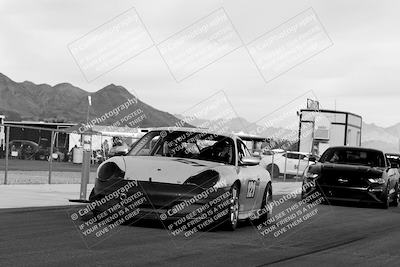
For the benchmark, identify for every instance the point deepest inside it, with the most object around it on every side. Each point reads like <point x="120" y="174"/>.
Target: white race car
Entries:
<point x="184" y="170"/>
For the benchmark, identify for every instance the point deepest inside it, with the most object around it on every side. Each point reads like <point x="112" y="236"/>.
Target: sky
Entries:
<point x="357" y="73"/>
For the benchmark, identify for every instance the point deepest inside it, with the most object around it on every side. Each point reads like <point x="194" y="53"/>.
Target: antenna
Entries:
<point x="335" y="110"/>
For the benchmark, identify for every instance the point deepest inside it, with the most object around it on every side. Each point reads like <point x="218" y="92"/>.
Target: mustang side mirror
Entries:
<point x="249" y="161"/>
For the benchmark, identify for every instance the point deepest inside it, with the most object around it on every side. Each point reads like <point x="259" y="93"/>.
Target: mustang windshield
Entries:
<point x="181" y="144"/>
<point x="354" y="157"/>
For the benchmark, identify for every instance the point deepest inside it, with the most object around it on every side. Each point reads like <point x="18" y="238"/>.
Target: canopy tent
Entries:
<point x="100" y="133"/>
<point x="81" y="129"/>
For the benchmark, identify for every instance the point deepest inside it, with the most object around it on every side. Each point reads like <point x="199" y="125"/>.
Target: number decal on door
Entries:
<point x="251" y="189"/>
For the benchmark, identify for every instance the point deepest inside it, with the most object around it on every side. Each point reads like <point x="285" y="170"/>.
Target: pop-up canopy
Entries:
<point x="100" y="133"/>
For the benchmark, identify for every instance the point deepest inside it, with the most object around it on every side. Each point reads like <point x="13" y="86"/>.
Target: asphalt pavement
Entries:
<point x="337" y="235"/>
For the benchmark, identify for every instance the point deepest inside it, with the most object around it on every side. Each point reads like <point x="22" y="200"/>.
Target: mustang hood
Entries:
<point x="353" y="170"/>
<point x="347" y="175"/>
<point x="161" y="169"/>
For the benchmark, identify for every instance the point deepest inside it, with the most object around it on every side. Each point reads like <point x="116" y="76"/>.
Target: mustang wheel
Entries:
<point x="386" y="199"/>
<point x="233" y="215"/>
<point x="396" y="193"/>
<point x="303" y="192"/>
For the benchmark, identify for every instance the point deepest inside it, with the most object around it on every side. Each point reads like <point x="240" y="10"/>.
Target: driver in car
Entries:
<point x="223" y="152"/>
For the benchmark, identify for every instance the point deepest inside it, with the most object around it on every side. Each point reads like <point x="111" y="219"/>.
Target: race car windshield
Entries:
<point x="354" y="157"/>
<point x="182" y="144"/>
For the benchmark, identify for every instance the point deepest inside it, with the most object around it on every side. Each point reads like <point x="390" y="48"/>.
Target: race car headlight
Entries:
<point x="377" y="180"/>
<point x="109" y="170"/>
<point x="204" y="179"/>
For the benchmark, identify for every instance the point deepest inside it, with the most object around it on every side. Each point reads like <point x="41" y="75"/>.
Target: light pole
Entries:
<point x="86" y="156"/>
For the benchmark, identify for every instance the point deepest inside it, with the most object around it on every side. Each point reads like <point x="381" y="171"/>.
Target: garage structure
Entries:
<point x="37" y="132"/>
<point x="320" y="129"/>
<point x="41" y="137"/>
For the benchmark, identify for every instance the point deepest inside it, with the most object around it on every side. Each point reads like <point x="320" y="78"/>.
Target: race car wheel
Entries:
<point x="266" y="211"/>
<point x="395" y="201"/>
<point x="92" y="197"/>
<point x="233" y="215"/>
<point x="275" y="169"/>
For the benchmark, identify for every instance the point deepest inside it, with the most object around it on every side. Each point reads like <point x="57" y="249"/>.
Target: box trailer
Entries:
<point x="320" y="129"/>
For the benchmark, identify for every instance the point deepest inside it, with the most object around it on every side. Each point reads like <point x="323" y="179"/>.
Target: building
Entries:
<point x="320" y="129"/>
<point x="31" y="130"/>
<point x="66" y="135"/>
<point x="253" y="142"/>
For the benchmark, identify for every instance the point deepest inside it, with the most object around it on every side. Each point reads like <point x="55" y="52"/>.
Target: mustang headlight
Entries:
<point x="205" y="179"/>
<point x="310" y="175"/>
<point x="309" y="180"/>
<point x="377" y="180"/>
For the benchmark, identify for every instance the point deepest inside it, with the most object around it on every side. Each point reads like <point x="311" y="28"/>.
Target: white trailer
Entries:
<point x="320" y="129"/>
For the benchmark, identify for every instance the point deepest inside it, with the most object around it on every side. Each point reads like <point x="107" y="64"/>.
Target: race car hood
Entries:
<point x="161" y="169"/>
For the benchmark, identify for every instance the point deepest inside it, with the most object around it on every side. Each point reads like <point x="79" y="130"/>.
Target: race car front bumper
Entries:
<point x="154" y="200"/>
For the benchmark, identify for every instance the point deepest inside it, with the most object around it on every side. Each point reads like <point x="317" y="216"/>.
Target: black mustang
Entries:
<point x="353" y="174"/>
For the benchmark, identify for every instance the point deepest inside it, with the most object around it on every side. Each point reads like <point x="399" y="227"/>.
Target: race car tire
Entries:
<point x="267" y="200"/>
<point x="92" y="197"/>
<point x="395" y="201"/>
<point x="275" y="168"/>
<point x="232" y="218"/>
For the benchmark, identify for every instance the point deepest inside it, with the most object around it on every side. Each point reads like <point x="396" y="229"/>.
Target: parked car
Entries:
<point x="23" y="149"/>
<point x="293" y="163"/>
<point x="394" y="159"/>
<point x="43" y="152"/>
<point x="119" y="150"/>
<point x="353" y="174"/>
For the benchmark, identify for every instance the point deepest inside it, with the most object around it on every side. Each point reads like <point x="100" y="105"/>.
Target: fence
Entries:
<point x="33" y="154"/>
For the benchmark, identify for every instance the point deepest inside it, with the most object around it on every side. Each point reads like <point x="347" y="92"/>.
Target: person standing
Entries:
<point x="105" y="148"/>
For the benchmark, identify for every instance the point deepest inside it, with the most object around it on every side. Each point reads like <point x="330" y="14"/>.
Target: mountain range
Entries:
<point x="65" y="102"/>
<point x="373" y="136"/>
<point x="383" y="138"/>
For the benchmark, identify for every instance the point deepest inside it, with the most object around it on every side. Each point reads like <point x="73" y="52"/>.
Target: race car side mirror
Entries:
<point x="249" y="161"/>
<point x="312" y="158"/>
<point x="121" y="153"/>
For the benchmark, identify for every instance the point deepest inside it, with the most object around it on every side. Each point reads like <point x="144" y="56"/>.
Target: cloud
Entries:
<point x="359" y="70"/>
